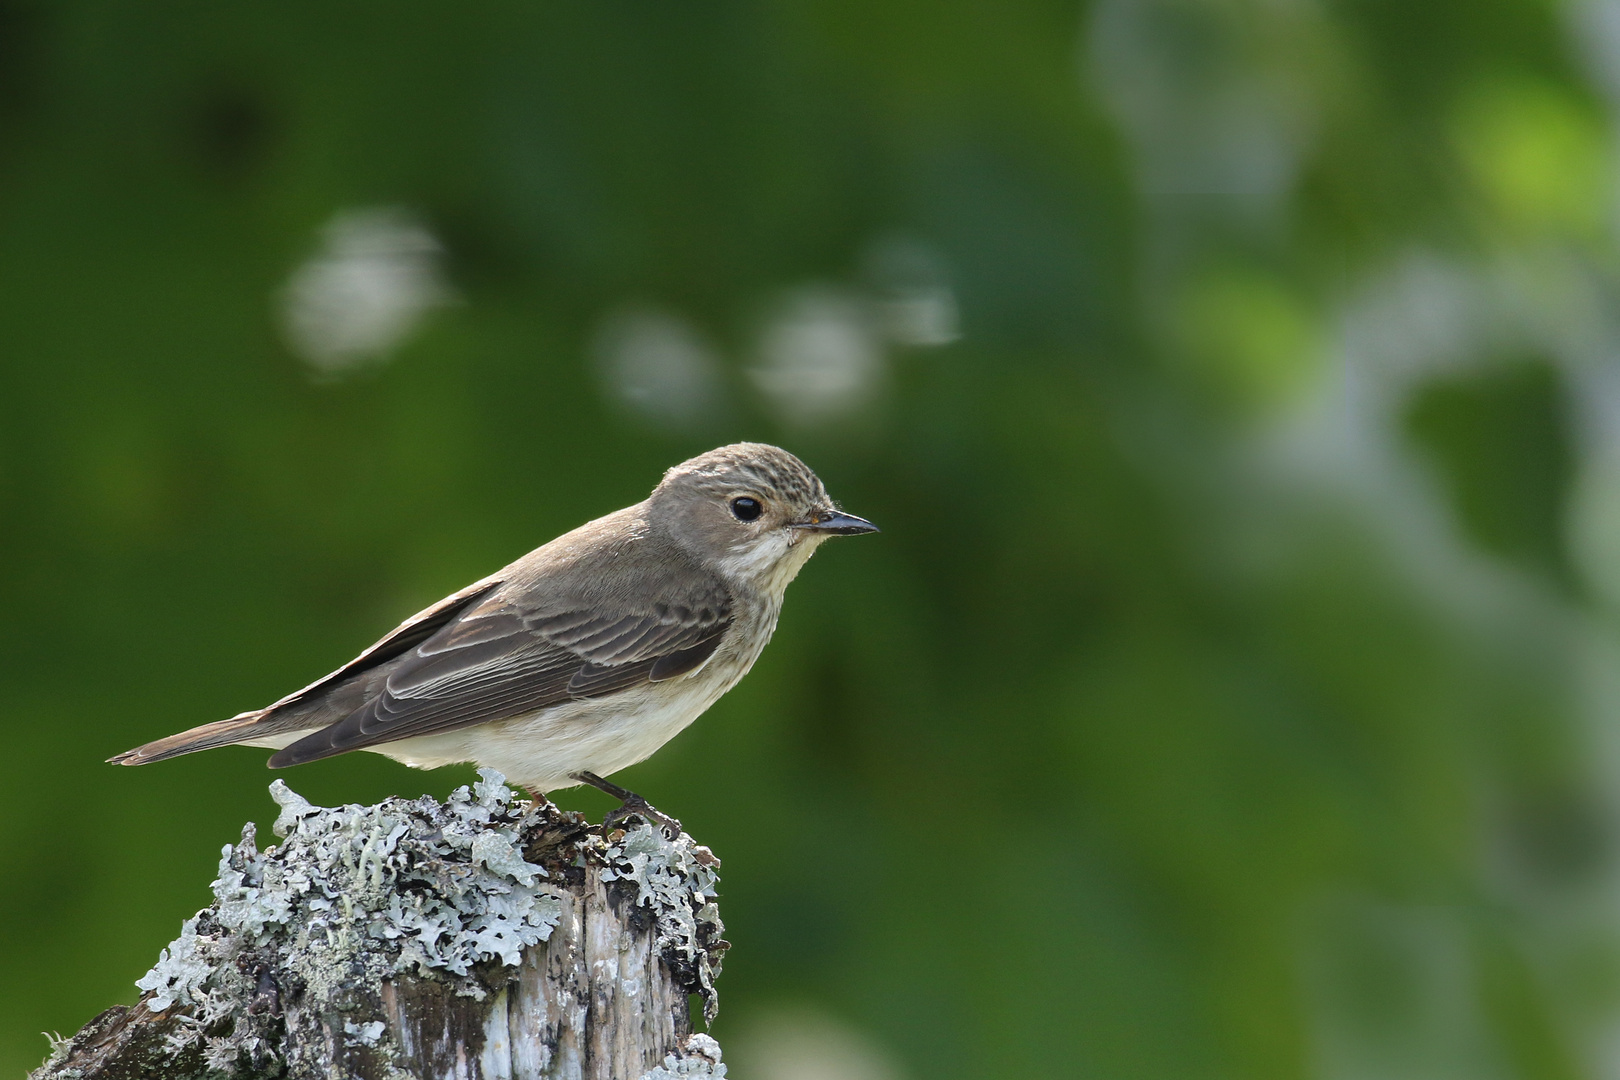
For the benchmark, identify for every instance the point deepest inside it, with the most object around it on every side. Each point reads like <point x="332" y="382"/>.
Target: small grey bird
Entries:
<point x="584" y="656"/>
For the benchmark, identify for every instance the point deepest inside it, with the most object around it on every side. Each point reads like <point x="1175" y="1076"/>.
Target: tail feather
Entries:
<point x="237" y="729"/>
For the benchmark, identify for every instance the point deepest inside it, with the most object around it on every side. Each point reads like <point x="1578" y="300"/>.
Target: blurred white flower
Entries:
<point x="914" y="302"/>
<point x="803" y="1044"/>
<point x="820" y="357"/>
<point x="658" y="364"/>
<point x="1594" y="34"/>
<point x="1209" y="104"/>
<point x="364" y="291"/>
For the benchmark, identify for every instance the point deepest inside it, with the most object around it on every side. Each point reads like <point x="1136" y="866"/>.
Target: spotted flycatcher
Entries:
<point x="582" y="657"/>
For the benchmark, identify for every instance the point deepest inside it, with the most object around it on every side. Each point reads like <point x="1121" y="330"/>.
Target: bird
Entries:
<point x="580" y="658"/>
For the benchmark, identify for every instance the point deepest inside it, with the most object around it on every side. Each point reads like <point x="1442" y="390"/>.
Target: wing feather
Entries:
<point x="495" y="660"/>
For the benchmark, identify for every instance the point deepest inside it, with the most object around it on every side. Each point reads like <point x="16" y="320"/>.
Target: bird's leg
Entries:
<point x="533" y="798"/>
<point x="631" y="803"/>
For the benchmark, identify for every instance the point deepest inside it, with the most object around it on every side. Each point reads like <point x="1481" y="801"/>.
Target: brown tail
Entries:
<point x="219" y="733"/>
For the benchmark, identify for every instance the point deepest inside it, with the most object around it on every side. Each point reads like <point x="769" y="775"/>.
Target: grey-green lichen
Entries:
<point x="356" y="896"/>
<point x="676" y="881"/>
<point x="403" y="885"/>
<point x="699" y="1059"/>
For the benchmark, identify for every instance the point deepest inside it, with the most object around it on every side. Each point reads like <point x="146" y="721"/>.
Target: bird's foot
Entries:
<point x="636" y="806"/>
<point x="631" y="804"/>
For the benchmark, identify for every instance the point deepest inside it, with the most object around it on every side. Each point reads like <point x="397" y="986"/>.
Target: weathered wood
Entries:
<point x="476" y="939"/>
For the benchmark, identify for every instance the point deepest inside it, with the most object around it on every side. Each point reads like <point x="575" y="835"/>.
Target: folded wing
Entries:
<point x="498" y="659"/>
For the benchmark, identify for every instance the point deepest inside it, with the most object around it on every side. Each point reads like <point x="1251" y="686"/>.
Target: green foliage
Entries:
<point x="1193" y="716"/>
<point x="1500" y="444"/>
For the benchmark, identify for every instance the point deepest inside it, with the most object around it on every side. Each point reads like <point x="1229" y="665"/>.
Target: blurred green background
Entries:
<point x="1233" y="691"/>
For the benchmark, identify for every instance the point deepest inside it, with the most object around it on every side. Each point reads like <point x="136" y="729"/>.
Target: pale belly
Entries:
<point x="544" y="751"/>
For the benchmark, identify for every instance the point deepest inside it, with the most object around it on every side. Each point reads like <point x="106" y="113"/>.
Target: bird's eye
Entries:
<point x="746" y="509"/>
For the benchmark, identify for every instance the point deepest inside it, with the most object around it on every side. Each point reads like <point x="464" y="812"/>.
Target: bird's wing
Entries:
<point x="500" y="658"/>
<point x="404" y="637"/>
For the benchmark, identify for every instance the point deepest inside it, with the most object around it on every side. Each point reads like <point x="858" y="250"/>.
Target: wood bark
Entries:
<point x="486" y="940"/>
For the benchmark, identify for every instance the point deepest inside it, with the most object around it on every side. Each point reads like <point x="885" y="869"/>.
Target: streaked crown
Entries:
<point x="768" y="470"/>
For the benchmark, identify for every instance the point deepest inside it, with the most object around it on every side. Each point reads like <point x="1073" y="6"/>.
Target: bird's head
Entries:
<point x="752" y="511"/>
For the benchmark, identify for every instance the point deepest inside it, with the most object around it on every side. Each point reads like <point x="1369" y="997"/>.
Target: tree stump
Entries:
<point x="474" y="939"/>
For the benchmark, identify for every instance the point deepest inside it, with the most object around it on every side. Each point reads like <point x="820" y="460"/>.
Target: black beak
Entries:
<point x="835" y="523"/>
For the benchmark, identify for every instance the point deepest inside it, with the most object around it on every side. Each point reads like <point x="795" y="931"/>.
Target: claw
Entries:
<point x="631" y="805"/>
<point x="636" y="806"/>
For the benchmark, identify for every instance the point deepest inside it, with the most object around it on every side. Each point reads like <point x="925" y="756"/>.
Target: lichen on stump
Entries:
<point x="478" y="938"/>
